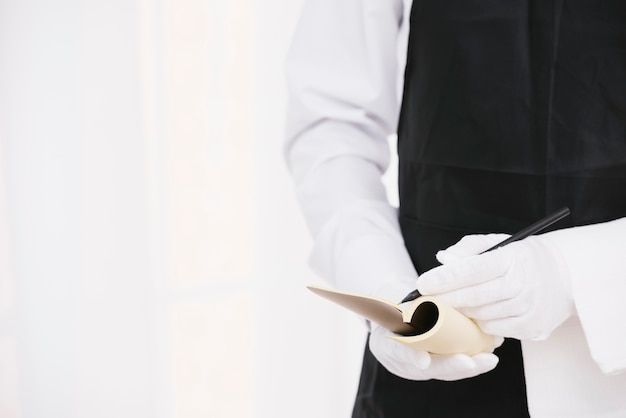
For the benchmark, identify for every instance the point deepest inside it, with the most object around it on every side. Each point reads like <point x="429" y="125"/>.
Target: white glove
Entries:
<point x="413" y="364"/>
<point x="522" y="290"/>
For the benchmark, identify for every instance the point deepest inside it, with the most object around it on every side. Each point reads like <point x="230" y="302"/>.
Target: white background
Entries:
<point x="152" y="256"/>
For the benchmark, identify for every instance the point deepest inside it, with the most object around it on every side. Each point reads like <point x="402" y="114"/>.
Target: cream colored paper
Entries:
<point x="438" y="328"/>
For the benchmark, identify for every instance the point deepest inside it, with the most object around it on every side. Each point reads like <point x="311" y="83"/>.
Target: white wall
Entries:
<point x="152" y="256"/>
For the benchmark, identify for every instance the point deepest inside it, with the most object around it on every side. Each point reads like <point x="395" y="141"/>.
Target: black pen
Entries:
<point x="526" y="232"/>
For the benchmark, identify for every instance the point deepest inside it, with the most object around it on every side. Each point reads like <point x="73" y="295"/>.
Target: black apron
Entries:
<point x="511" y="110"/>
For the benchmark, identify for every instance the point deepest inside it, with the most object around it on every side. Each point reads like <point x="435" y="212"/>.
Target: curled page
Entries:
<point x="425" y="323"/>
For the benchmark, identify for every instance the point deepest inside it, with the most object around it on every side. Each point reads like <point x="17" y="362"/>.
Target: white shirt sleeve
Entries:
<point x="596" y="257"/>
<point x="343" y="104"/>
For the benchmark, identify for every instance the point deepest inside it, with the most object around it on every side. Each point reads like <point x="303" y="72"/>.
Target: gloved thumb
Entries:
<point x="469" y="245"/>
<point x="394" y="355"/>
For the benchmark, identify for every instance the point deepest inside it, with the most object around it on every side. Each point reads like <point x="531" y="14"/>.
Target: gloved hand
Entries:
<point x="522" y="290"/>
<point x="413" y="364"/>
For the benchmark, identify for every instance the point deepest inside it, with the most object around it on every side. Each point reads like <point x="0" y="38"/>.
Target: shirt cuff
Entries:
<point x="597" y="266"/>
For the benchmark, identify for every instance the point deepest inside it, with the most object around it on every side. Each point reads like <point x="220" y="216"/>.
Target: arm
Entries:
<point x="343" y="104"/>
<point x="529" y="288"/>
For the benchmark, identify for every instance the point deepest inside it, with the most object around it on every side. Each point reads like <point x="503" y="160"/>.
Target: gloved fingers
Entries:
<point x="410" y="356"/>
<point x="497" y="310"/>
<point x="485" y="362"/>
<point x="514" y="327"/>
<point x="451" y="366"/>
<point x="469" y="245"/>
<point x="466" y="272"/>
<point x="413" y="364"/>
<point x="497" y="341"/>
<point x="491" y="292"/>
<point x="409" y="371"/>
<point x="400" y="360"/>
<point x="461" y="366"/>
<point x="391" y="353"/>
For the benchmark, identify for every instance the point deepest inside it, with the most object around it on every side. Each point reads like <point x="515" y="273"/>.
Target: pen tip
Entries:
<point x="411" y="296"/>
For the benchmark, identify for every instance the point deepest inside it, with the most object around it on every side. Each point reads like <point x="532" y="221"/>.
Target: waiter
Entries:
<point x="509" y="111"/>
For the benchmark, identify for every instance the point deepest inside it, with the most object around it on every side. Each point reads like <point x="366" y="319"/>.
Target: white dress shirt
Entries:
<point x="343" y="72"/>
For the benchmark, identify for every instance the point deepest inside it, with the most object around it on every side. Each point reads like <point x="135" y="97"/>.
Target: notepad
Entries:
<point x="424" y="323"/>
